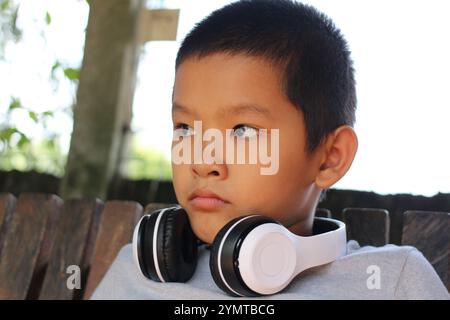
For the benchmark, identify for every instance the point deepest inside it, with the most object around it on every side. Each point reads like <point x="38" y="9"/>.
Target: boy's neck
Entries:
<point x="303" y="227"/>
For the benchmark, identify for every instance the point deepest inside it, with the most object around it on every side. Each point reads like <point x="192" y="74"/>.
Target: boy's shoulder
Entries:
<point x="393" y="252"/>
<point x="390" y="257"/>
<point x="387" y="272"/>
<point x="387" y="259"/>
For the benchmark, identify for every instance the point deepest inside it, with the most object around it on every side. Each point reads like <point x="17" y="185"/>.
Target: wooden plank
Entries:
<point x="116" y="230"/>
<point x="337" y="214"/>
<point x="156" y="206"/>
<point x="396" y="225"/>
<point x="7" y="206"/>
<point x="73" y="247"/>
<point x="322" y="212"/>
<point x="158" y="24"/>
<point x="27" y="244"/>
<point x="429" y="232"/>
<point x="367" y="226"/>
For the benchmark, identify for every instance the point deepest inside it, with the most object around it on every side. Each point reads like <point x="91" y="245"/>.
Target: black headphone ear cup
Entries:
<point x="176" y="247"/>
<point x="143" y="245"/>
<point x="225" y="251"/>
<point x="213" y="259"/>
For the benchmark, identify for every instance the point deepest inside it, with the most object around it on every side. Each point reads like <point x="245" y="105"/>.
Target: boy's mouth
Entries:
<point x="204" y="199"/>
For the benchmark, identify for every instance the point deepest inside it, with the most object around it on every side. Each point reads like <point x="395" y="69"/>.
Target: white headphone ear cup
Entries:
<point x="267" y="259"/>
<point x="224" y="262"/>
<point x="271" y="255"/>
<point x="134" y="244"/>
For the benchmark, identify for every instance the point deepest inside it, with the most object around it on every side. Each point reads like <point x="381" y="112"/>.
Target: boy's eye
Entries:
<point x="183" y="130"/>
<point x="244" y="131"/>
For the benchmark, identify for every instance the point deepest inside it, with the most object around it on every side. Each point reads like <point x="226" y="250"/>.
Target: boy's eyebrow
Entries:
<point x="176" y="107"/>
<point x="232" y="110"/>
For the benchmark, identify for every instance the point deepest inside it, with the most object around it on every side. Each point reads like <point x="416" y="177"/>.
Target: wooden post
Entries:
<point x="104" y="98"/>
<point x="102" y="118"/>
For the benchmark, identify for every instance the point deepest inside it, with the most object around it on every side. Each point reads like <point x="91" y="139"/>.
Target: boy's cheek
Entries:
<point x="180" y="182"/>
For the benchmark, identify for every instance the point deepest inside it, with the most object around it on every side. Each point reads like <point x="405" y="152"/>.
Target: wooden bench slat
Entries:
<point x="79" y="223"/>
<point x="116" y="230"/>
<point x="27" y="244"/>
<point x="429" y="232"/>
<point x="7" y="206"/>
<point x="367" y="226"/>
<point x="149" y="208"/>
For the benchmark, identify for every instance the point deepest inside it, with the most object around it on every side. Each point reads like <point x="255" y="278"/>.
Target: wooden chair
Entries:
<point x="41" y="236"/>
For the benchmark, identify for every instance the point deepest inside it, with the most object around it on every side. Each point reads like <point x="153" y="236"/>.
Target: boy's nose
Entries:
<point x="217" y="171"/>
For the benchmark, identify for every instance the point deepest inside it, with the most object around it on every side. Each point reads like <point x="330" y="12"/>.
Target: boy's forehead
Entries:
<point x="238" y="109"/>
<point x="234" y="84"/>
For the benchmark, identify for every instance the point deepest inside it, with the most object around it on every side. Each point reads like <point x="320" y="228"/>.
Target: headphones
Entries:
<point x="251" y="255"/>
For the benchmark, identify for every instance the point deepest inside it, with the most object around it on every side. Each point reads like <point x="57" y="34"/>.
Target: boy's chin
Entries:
<point x="207" y="237"/>
<point x="206" y="230"/>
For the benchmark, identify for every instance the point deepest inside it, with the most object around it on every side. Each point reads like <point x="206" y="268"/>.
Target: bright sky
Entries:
<point x="400" y="49"/>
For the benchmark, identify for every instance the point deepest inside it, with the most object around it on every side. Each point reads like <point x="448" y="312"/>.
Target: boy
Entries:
<point x="271" y="67"/>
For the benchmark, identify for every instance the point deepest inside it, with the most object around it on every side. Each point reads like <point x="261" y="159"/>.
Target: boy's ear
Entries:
<point x="338" y="153"/>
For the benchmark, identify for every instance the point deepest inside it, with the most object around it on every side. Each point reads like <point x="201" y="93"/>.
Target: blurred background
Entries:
<point x="85" y="98"/>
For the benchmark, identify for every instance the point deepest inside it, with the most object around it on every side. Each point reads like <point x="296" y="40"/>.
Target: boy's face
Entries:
<point x="207" y="89"/>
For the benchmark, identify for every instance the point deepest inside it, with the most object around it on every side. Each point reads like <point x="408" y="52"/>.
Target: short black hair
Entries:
<point x="313" y="56"/>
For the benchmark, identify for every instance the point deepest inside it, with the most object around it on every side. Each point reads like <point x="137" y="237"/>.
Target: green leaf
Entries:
<point x="33" y="115"/>
<point x="48" y="18"/>
<point x="4" y="5"/>
<point x="50" y="143"/>
<point x="55" y="66"/>
<point x="23" y="140"/>
<point x="17" y="33"/>
<point x="48" y="114"/>
<point x="6" y="133"/>
<point x="71" y="73"/>
<point x="14" y="104"/>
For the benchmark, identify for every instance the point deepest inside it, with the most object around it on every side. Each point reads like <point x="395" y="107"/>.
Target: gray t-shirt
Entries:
<point x="387" y="272"/>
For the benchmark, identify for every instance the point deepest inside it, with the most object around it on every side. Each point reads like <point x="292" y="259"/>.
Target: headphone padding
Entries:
<point x="177" y="246"/>
<point x="213" y="258"/>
